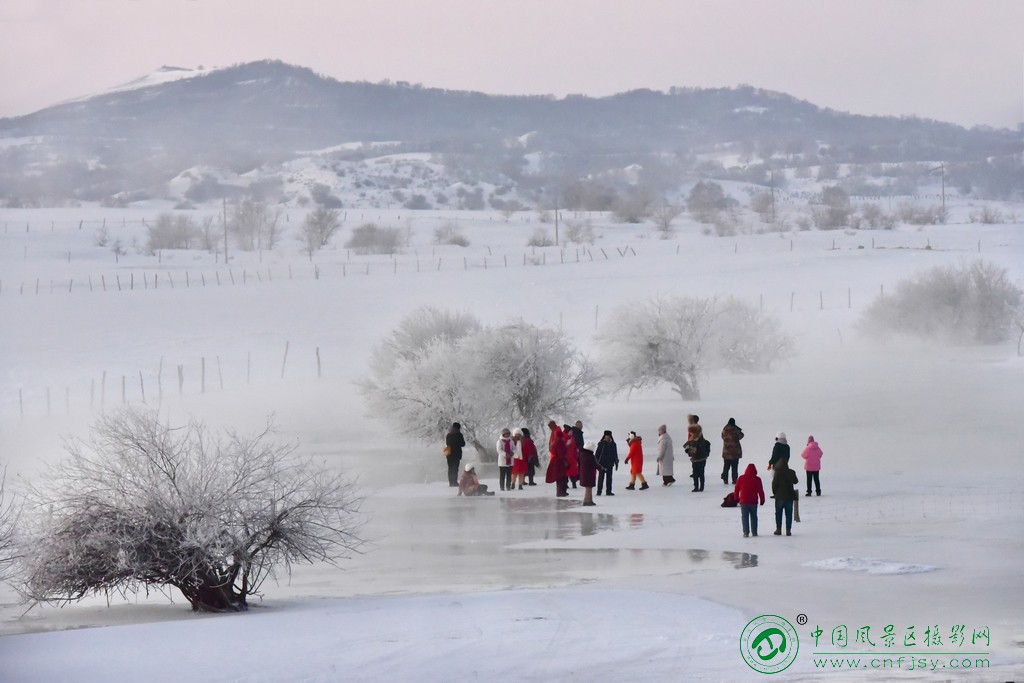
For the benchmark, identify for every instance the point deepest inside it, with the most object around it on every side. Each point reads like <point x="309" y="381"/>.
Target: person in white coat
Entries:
<point x="666" y="458"/>
<point x="504" y="449"/>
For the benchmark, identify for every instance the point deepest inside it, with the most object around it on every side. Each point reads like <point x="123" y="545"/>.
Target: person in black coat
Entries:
<point x="780" y="451"/>
<point x="454" y="442"/>
<point x="607" y="456"/>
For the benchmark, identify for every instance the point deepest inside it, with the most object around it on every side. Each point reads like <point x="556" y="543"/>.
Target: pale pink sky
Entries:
<point x="953" y="60"/>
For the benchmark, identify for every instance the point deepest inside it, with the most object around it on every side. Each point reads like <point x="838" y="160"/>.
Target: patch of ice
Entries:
<point x="869" y="565"/>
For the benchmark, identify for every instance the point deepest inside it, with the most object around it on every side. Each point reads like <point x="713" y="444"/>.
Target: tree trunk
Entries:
<point x="214" y="599"/>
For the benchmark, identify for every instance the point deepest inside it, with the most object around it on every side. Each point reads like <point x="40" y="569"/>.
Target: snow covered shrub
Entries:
<point x="579" y="232"/>
<point x="449" y="233"/>
<point x="876" y="219"/>
<point x="748" y="340"/>
<point x="441" y="367"/>
<point x="540" y="238"/>
<point x="972" y="304"/>
<point x="318" y="228"/>
<point x="921" y="215"/>
<point x="170" y="231"/>
<point x="141" y="505"/>
<point x="373" y="239"/>
<point x="833" y="210"/>
<point x="987" y="215"/>
<point x="663" y="216"/>
<point x="706" y="198"/>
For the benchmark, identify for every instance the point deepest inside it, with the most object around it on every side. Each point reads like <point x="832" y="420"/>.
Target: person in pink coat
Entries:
<point x="812" y="464"/>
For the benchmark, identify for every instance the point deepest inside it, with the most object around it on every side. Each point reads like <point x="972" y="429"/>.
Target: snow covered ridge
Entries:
<point x="870" y="566"/>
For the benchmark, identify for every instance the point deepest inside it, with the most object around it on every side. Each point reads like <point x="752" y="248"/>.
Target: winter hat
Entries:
<point x="506" y="432"/>
<point x="632" y="435"/>
<point x="607" y="432"/>
<point x="781" y="436"/>
<point x="810" y="439"/>
<point x="526" y="432"/>
<point x="590" y="446"/>
<point x="468" y="467"/>
<point x="517" y="432"/>
<point x="456" y="425"/>
<point x="662" y="429"/>
<point x="552" y="423"/>
<point x="732" y="421"/>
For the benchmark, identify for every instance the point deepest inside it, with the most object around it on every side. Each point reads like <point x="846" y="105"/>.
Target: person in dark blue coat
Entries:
<point x="607" y="456"/>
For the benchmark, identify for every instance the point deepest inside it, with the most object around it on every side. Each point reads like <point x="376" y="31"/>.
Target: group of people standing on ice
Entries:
<point x="573" y="460"/>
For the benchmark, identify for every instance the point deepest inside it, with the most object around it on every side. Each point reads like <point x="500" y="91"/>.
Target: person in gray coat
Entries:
<point x="666" y="458"/>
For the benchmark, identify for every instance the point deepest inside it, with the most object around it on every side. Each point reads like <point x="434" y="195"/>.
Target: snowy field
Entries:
<point x="919" y="524"/>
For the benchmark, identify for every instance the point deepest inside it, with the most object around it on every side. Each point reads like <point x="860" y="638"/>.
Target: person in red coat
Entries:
<point x="572" y="455"/>
<point x="588" y="472"/>
<point x="749" y="492"/>
<point x="635" y="460"/>
<point x="558" y="466"/>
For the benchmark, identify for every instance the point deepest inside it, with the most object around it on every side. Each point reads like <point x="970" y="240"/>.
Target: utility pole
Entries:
<point x="225" y="230"/>
<point x="942" y="169"/>
<point x="771" y="176"/>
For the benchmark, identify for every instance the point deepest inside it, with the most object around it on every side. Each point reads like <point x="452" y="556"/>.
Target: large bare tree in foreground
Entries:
<point x="140" y="504"/>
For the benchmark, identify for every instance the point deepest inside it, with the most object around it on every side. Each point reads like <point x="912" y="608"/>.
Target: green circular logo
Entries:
<point x="769" y="644"/>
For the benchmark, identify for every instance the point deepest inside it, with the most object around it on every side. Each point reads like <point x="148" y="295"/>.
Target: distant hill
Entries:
<point x="238" y="127"/>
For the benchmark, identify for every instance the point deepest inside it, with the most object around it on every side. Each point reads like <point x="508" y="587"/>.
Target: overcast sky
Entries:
<point x="953" y="60"/>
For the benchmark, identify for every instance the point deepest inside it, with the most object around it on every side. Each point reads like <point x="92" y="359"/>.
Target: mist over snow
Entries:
<point x="918" y="522"/>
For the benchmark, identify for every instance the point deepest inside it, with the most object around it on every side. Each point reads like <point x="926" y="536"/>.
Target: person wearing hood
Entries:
<point x="530" y="455"/>
<point x="666" y="458"/>
<point x="749" y="493"/>
<point x="588" y="472"/>
<point x="780" y="451"/>
<point x="503" y="449"/>
<point x="732" y="451"/>
<point x="635" y="460"/>
<point x="812" y="464"/>
<point x="784" y="493"/>
<point x="558" y="466"/>
<point x="454" y="442"/>
<point x="469" y="484"/>
<point x="607" y="456"/>
<point x="572" y="455"/>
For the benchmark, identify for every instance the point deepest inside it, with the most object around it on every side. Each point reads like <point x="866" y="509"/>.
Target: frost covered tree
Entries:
<point x="9" y="513"/>
<point x="970" y="304"/>
<point x="140" y="505"/>
<point x="662" y="340"/>
<point x="318" y="228"/>
<point x="440" y="367"/>
<point x="680" y="340"/>
<point x="255" y="225"/>
<point x="747" y="340"/>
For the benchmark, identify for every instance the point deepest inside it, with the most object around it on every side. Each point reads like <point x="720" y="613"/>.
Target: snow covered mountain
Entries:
<point x="284" y="133"/>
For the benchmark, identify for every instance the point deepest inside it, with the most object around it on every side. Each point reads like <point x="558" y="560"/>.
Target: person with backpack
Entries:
<point x="607" y="456"/>
<point x="812" y="464"/>
<point x="454" y="442"/>
<point x="732" y="451"/>
<point x="699" y="449"/>
<point x="635" y="460"/>
<point x="784" y="493"/>
<point x="749" y="493"/>
<point x="780" y="451"/>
